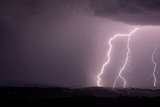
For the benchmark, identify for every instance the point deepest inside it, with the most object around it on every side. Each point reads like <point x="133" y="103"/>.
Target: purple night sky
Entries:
<point x="64" y="42"/>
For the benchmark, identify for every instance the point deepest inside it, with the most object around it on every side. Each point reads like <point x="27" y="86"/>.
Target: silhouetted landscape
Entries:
<point x="94" y="96"/>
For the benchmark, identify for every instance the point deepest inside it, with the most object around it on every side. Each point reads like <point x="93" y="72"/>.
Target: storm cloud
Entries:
<point x="140" y="12"/>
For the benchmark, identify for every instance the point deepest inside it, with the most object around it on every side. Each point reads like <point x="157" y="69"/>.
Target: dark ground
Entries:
<point x="79" y="97"/>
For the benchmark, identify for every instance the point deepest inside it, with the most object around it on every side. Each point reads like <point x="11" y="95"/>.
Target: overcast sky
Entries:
<point x="64" y="42"/>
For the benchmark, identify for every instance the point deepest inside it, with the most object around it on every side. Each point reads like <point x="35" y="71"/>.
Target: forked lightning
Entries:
<point x="155" y="66"/>
<point x="109" y="58"/>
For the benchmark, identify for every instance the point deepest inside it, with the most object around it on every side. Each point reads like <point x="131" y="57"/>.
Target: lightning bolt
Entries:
<point x="155" y="66"/>
<point x="109" y="58"/>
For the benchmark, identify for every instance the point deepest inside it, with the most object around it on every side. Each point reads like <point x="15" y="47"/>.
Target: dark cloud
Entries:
<point x="141" y="12"/>
<point x="20" y="10"/>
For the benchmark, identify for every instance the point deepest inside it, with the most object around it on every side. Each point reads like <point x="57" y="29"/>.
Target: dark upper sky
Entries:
<point x="64" y="42"/>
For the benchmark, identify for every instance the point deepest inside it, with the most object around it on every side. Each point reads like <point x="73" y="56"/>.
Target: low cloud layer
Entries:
<point x="140" y="12"/>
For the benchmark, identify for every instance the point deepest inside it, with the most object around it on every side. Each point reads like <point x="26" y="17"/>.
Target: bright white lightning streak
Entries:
<point x="109" y="57"/>
<point x="155" y="66"/>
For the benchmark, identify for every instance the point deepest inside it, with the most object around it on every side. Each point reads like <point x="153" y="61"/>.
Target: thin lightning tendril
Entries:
<point x="109" y="57"/>
<point x="155" y="66"/>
